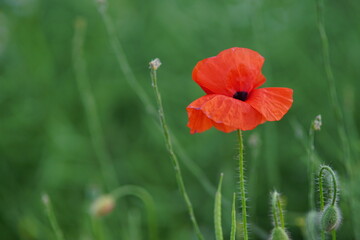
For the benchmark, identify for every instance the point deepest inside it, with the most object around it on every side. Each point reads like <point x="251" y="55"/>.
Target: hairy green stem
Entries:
<point x="242" y="192"/>
<point x="172" y="154"/>
<point x="335" y="187"/>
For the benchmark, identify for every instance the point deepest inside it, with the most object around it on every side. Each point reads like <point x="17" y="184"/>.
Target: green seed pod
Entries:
<point x="279" y="233"/>
<point x="330" y="218"/>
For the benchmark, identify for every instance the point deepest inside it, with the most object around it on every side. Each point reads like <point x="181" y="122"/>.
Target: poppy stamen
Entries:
<point x="241" y="95"/>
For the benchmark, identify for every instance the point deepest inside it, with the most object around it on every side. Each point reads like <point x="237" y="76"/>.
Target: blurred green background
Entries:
<point x="46" y="144"/>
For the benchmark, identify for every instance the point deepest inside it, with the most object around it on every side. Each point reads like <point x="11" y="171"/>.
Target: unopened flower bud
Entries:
<point x="330" y="218"/>
<point x="279" y="233"/>
<point x="102" y="206"/>
<point x="155" y="64"/>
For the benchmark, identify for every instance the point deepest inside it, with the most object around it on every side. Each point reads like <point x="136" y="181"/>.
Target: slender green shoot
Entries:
<point x="148" y="201"/>
<point x="315" y="126"/>
<point x="52" y="218"/>
<point x="233" y="218"/>
<point x="332" y="86"/>
<point x="107" y="168"/>
<point x="217" y="212"/>
<point x="154" y="65"/>
<point x="242" y="192"/>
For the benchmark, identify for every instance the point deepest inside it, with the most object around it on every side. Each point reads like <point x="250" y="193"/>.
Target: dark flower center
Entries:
<point x="241" y="95"/>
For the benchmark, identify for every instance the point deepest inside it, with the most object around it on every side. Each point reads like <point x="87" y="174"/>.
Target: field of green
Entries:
<point x="78" y="116"/>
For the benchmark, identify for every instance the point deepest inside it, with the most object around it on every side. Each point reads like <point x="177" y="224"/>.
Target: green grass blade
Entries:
<point x="217" y="212"/>
<point x="233" y="218"/>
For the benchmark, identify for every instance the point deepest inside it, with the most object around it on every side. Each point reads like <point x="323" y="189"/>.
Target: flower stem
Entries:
<point x="242" y="192"/>
<point x="333" y="176"/>
<point x="172" y="154"/>
<point x="333" y="234"/>
<point x="311" y="167"/>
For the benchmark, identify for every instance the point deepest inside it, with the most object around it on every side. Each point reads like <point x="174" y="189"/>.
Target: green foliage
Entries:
<point x="48" y="131"/>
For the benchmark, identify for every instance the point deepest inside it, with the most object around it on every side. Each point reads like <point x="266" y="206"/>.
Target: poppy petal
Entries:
<point x="272" y="103"/>
<point x="231" y="112"/>
<point x="233" y="70"/>
<point x="199" y="122"/>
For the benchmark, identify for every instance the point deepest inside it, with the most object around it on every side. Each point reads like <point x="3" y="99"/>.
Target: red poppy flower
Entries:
<point x="233" y="100"/>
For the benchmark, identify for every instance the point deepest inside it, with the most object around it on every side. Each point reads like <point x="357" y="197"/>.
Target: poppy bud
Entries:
<point x="330" y="218"/>
<point x="102" y="206"/>
<point x="279" y="233"/>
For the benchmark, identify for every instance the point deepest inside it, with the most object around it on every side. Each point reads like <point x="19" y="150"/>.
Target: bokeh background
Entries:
<point x="48" y="143"/>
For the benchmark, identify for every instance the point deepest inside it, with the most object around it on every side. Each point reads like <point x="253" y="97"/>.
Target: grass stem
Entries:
<point x="107" y="168"/>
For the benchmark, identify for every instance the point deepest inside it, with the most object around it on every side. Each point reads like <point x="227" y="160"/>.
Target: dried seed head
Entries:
<point x="330" y="218"/>
<point x="317" y="123"/>
<point x="102" y="206"/>
<point x="155" y="64"/>
<point x="279" y="233"/>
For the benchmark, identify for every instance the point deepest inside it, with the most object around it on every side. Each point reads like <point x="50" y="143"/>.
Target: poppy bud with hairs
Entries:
<point x="330" y="218"/>
<point x="279" y="233"/>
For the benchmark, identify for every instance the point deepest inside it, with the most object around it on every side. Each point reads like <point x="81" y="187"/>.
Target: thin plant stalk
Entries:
<point x="148" y="202"/>
<point x="52" y="218"/>
<point x="311" y="166"/>
<point x="107" y="168"/>
<point x="233" y="218"/>
<point x="242" y="192"/>
<point x="172" y="154"/>
<point x="217" y="212"/>
<point x="332" y="86"/>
